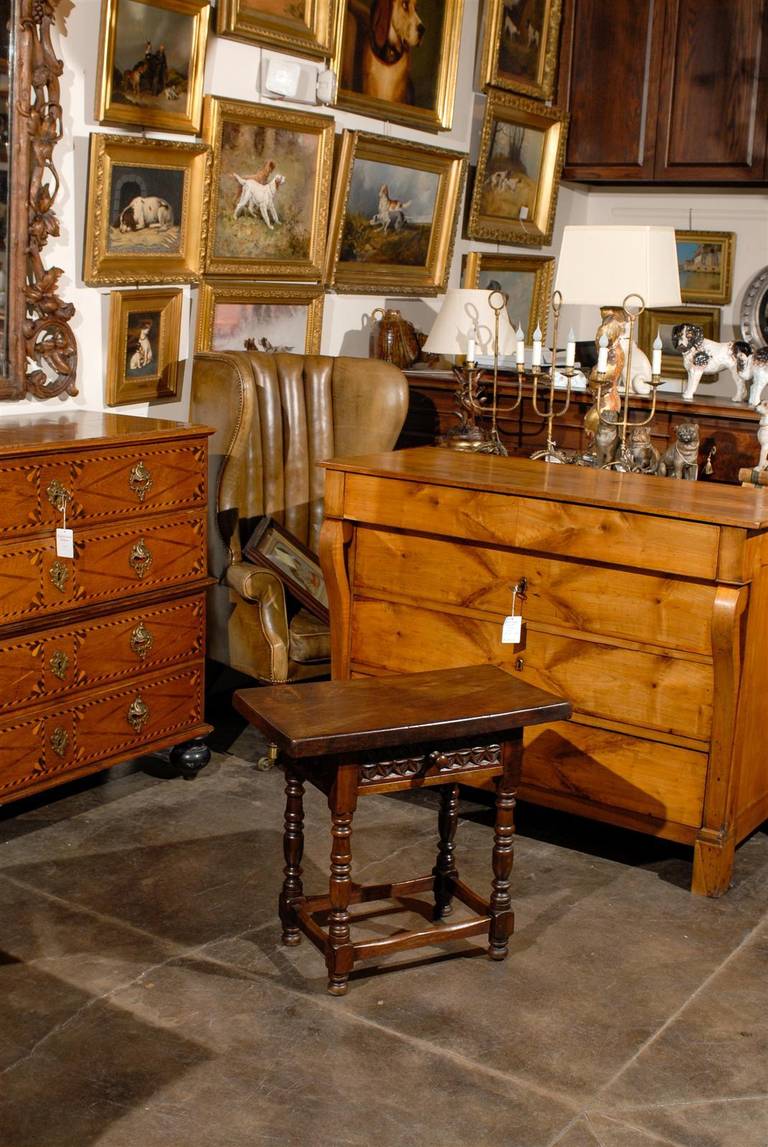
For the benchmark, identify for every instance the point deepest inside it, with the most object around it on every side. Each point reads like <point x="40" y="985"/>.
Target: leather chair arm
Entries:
<point x="264" y="589"/>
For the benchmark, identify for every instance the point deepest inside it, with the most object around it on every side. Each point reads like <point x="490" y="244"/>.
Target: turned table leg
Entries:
<point x="340" y="955"/>
<point x="502" y="916"/>
<point x="293" y="848"/>
<point x="445" y="871"/>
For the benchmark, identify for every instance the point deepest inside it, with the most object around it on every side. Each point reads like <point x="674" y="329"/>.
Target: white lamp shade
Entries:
<point x="602" y="265"/>
<point x="467" y="314"/>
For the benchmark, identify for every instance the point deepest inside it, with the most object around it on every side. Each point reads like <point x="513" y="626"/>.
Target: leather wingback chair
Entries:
<point x="276" y="417"/>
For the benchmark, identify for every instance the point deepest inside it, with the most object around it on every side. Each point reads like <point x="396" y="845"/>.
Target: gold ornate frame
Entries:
<point x="725" y="240"/>
<point x="218" y="114"/>
<point x="540" y="266"/>
<point x="109" y="109"/>
<point x="395" y="276"/>
<point x="213" y="292"/>
<point x="492" y="218"/>
<point x="104" y="266"/>
<point x="545" y="40"/>
<point x="163" y="383"/>
<point x="352" y="34"/>
<point x="314" y="35"/>
<point x="672" y="364"/>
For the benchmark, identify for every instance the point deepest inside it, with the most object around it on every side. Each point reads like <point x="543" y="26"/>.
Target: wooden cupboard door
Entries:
<point x="712" y="109"/>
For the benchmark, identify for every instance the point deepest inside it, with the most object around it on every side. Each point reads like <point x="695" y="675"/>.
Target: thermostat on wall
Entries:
<point x="285" y="79"/>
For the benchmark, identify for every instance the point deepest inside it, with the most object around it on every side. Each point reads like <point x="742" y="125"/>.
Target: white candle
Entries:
<point x="470" y="350"/>
<point x="602" y="355"/>
<point x="656" y="356"/>
<point x="570" y="350"/>
<point x="536" y="360"/>
<point x="520" y="336"/>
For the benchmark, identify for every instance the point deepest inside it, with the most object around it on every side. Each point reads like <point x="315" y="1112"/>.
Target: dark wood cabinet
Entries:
<point x="668" y="91"/>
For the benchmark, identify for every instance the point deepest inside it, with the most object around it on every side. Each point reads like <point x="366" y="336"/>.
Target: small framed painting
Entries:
<point x="526" y="280"/>
<point x="705" y="263"/>
<point x="274" y="318"/>
<point x="661" y="320"/>
<point x="393" y="216"/>
<point x="520" y="46"/>
<point x="299" y="27"/>
<point x="151" y="60"/>
<point x="143" y="350"/>
<point x="522" y="146"/>
<point x="271" y="546"/>
<point x="145" y="220"/>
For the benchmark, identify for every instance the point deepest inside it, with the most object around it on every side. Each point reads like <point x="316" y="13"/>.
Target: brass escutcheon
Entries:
<point x="58" y="574"/>
<point x="141" y="640"/>
<point x="59" y="663"/>
<point x="141" y="558"/>
<point x="140" y="481"/>
<point x="58" y="495"/>
<point x="59" y="741"/>
<point x="138" y="714"/>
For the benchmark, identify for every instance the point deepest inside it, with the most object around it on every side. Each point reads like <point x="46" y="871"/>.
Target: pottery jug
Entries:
<point x="394" y="339"/>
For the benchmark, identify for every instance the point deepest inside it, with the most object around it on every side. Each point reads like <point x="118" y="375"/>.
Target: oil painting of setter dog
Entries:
<point x="389" y="214"/>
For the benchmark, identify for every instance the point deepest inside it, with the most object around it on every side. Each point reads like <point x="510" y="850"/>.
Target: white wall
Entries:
<point x="232" y="70"/>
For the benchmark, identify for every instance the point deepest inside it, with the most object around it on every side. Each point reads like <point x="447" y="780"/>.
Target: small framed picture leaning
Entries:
<point x="271" y="546"/>
<point x="143" y="351"/>
<point x="277" y="318"/>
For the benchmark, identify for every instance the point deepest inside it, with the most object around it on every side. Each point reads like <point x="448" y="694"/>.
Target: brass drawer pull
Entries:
<point x="58" y="495"/>
<point x="140" y="481"/>
<point x="519" y="664"/>
<point x="138" y="714"/>
<point x="141" y="558"/>
<point x="141" y="640"/>
<point x="59" y="741"/>
<point x="58" y="573"/>
<point x="59" y="663"/>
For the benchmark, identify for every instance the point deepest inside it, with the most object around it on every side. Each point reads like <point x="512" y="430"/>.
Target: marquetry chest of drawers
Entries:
<point x="645" y="603"/>
<point x="101" y="652"/>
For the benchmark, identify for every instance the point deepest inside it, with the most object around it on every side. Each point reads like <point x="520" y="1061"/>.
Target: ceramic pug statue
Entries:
<point x="644" y="455"/>
<point x="681" y="458"/>
<point x="606" y="438"/>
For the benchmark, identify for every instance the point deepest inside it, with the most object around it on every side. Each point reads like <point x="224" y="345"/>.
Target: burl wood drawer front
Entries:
<point x="651" y="609"/>
<point x="48" y="663"/>
<point x="630" y="686"/>
<point x="562" y="529"/>
<point x="109" y="563"/>
<point x="37" y="750"/>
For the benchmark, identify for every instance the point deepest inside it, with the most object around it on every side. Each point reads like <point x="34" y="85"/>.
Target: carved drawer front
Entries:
<point x="646" y="608"/>
<point x="38" y="750"/>
<point x="631" y="686"/>
<point x="46" y="664"/>
<point x="109" y="563"/>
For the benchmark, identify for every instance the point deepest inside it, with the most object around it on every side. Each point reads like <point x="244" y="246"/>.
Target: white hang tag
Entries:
<point x="511" y="630"/>
<point x="65" y="544"/>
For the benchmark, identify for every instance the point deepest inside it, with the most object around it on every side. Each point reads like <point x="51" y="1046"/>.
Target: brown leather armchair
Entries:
<point x="277" y="416"/>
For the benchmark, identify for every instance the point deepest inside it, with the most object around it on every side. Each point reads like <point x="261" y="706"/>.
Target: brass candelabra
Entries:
<point x="551" y="452"/>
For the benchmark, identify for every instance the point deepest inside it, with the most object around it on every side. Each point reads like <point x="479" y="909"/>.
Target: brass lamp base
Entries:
<point x="473" y="440"/>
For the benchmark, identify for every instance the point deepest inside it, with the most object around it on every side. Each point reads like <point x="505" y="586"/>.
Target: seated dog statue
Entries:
<point x="681" y="458"/>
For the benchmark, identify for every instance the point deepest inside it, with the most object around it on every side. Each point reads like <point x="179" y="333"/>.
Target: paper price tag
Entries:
<point x="65" y="544"/>
<point x="511" y="630"/>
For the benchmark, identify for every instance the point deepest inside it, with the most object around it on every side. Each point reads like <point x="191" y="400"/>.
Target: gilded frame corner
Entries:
<point x="542" y="268"/>
<point x="314" y="35"/>
<point x="214" y="292"/>
<point x="500" y="33"/>
<point x="156" y="380"/>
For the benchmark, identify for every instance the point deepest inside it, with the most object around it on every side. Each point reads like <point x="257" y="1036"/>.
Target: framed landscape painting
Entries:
<point x="393" y="217"/>
<point x="661" y="320"/>
<point x="270" y="188"/>
<point x="520" y="46"/>
<point x="522" y="146"/>
<point x="526" y="280"/>
<point x="299" y="27"/>
<point x="145" y="220"/>
<point x="143" y="351"/>
<point x="705" y="263"/>
<point x="397" y="59"/>
<point x="151" y="60"/>
<point x="273" y="318"/>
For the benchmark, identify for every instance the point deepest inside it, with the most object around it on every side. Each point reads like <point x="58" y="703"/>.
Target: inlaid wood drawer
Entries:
<point x="36" y="750"/>
<point x="50" y="663"/>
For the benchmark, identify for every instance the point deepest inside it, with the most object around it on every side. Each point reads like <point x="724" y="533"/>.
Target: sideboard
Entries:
<point x="645" y="603"/>
<point x="102" y="630"/>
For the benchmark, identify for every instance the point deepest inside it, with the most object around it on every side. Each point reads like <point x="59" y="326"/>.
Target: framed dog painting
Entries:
<point x="151" y="59"/>
<point x="393" y="216"/>
<point x="522" y="146"/>
<point x="271" y="317"/>
<point x="143" y="356"/>
<point x="526" y="280"/>
<point x="270" y="188"/>
<point x="520" y="46"/>
<point x="397" y="60"/>
<point x="661" y="320"/>
<point x="300" y="27"/>
<point x="145" y="218"/>
<point x="705" y="264"/>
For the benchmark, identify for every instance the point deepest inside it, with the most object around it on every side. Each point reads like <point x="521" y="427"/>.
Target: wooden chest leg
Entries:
<point x="340" y="955"/>
<point x="713" y="855"/>
<point x="293" y="848"/>
<point x="445" y="871"/>
<point x="502" y="916"/>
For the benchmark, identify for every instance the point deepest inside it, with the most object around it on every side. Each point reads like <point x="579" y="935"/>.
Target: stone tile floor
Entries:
<point x="146" y="999"/>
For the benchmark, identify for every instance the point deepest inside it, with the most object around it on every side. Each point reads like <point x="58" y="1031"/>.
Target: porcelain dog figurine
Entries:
<point x="704" y="356"/>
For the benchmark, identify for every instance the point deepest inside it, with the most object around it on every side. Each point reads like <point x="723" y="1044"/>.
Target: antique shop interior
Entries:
<point x="383" y="413"/>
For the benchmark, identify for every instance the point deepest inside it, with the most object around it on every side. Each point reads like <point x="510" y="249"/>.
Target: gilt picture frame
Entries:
<point x="269" y="317"/>
<point x="145" y="215"/>
<point x="705" y="265"/>
<point x="273" y="547"/>
<point x="526" y="280"/>
<point x="520" y="46"/>
<point x="393" y="216"/>
<point x="661" y="320"/>
<point x="270" y="190"/>
<point x="398" y="61"/>
<point x="151" y="62"/>
<point x="522" y="146"/>
<point x="143" y="347"/>
<point x="299" y="27"/>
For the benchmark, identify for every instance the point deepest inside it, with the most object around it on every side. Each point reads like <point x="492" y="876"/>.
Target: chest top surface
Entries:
<point x="82" y="429"/>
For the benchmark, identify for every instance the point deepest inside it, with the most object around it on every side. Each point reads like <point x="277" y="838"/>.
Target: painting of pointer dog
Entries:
<point x="389" y="215"/>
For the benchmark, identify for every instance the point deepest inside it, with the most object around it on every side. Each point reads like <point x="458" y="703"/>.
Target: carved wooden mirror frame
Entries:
<point x="42" y="352"/>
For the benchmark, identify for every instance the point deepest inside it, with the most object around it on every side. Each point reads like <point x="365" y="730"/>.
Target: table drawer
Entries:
<point x="648" y="608"/>
<point x="630" y="686"/>
<point x="109" y="563"/>
<point x="41" y="749"/>
<point x="50" y="663"/>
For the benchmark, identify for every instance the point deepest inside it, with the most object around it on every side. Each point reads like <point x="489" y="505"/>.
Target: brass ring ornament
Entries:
<point x="754" y="311"/>
<point x="633" y="311"/>
<point x="59" y="741"/>
<point x="58" y="573"/>
<point x="140" y="480"/>
<point x="141" y="641"/>
<point x="58" y="495"/>
<point x="138" y="714"/>
<point x="140" y="558"/>
<point x="59" y="662"/>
